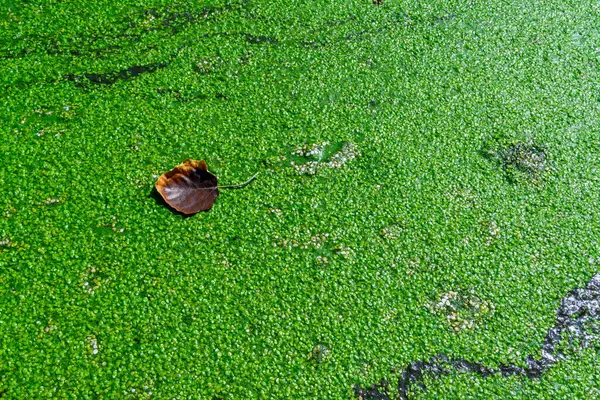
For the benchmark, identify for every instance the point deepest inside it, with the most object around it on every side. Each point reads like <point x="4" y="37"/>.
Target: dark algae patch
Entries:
<point x="260" y="39"/>
<point x="428" y="193"/>
<point x="520" y="159"/>
<point x="110" y="78"/>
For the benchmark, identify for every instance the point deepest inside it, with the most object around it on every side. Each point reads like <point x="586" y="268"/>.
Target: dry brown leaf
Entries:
<point x="189" y="187"/>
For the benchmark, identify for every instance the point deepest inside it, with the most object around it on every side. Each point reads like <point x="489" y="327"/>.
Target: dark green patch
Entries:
<point x="260" y="39"/>
<point x="109" y="78"/>
<point x="521" y="160"/>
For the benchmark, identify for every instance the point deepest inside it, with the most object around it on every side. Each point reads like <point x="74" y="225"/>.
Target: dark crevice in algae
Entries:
<point x="112" y="77"/>
<point x="259" y="39"/>
<point x="109" y="78"/>
<point x="577" y="320"/>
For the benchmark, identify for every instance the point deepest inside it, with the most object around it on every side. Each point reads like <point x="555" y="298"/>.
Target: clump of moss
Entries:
<point x="462" y="310"/>
<point x="520" y="159"/>
<point x="5" y="243"/>
<point x="320" y="354"/>
<point x="527" y="157"/>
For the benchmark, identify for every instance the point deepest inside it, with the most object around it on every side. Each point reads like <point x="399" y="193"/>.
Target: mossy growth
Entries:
<point x="523" y="160"/>
<point x="320" y="354"/>
<point x="462" y="311"/>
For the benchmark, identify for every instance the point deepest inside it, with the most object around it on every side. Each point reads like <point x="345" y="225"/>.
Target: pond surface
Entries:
<point x="417" y="160"/>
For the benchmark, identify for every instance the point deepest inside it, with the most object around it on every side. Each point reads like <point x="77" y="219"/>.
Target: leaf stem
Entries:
<point x="241" y="185"/>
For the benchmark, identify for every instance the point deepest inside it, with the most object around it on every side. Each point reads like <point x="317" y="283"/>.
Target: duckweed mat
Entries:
<point x="427" y="199"/>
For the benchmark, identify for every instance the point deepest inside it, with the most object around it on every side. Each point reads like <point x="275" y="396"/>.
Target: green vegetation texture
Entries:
<point x="300" y="285"/>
